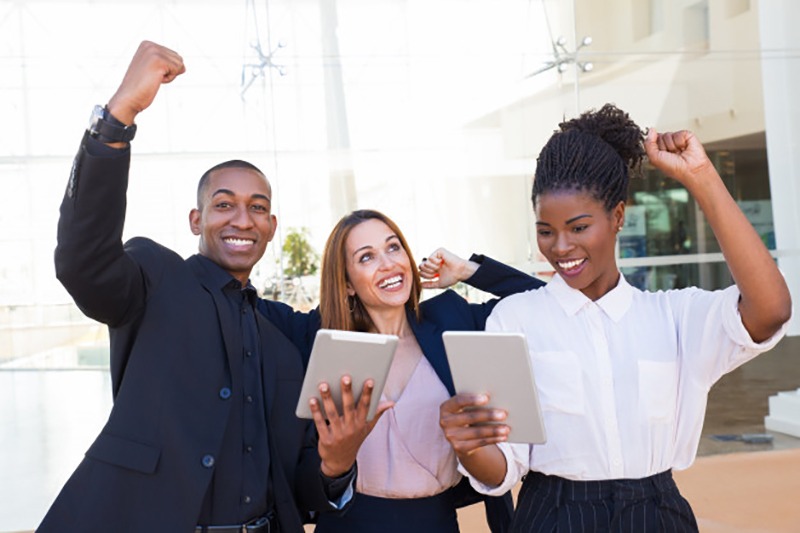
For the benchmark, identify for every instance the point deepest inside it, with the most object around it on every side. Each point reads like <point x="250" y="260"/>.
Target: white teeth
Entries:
<point x="238" y="242"/>
<point x="390" y="281"/>
<point x="568" y="265"/>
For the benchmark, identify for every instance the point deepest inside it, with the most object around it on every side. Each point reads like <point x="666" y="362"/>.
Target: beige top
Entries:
<point x="406" y="454"/>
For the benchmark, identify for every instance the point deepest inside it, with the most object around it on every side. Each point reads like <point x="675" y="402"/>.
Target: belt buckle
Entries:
<point x="260" y="525"/>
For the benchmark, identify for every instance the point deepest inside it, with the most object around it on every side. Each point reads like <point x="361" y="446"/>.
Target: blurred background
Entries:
<point x="432" y="111"/>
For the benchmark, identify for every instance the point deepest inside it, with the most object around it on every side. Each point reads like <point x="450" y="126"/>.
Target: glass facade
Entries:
<point x="663" y="222"/>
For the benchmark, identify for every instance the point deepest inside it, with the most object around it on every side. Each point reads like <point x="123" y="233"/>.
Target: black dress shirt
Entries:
<point x="239" y="489"/>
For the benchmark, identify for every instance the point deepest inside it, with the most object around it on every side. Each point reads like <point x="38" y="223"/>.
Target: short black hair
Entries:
<point x="233" y="163"/>
<point x="596" y="153"/>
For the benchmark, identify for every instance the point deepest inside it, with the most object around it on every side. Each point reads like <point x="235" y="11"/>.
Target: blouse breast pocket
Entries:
<point x="658" y="389"/>
<point x="559" y="381"/>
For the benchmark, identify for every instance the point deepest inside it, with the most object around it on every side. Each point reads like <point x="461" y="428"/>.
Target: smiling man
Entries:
<point x="202" y="435"/>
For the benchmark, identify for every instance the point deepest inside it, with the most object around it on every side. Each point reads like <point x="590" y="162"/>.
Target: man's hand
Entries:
<point x="341" y="435"/>
<point x="152" y="65"/>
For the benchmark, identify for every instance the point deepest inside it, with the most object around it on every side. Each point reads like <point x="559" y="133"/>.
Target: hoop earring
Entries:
<point x="351" y="304"/>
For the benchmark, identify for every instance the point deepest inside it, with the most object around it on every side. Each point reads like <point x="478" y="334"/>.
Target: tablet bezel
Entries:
<point x="498" y="364"/>
<point x="338" y="352"/>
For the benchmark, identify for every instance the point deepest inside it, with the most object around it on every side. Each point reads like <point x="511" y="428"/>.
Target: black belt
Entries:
<point x="265" y="524"/>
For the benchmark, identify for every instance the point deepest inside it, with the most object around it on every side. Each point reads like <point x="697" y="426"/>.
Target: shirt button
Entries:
<point x="248" y="449"/>
<point x="249" y="398"/>
<point x="247" y="499"/>
<point x="208" y="461"/>
<point x="249" y="353"/>
<point x="225" y="393"/>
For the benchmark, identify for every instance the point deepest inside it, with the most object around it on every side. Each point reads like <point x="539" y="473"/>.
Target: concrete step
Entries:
<point x="784" y="413"/>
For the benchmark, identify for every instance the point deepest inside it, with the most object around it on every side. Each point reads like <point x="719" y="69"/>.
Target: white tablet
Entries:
<point x="336" y="353"/>
<point x="499" y="365"/>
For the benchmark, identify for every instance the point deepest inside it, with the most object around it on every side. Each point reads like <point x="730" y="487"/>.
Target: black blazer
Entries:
<point x="444" y="312"/>
<point x="171" y="352"/>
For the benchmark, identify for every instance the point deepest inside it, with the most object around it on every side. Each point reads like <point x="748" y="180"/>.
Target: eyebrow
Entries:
<point x="369" y="246"/>
<point x="231" y="193"/>
<point x="570" y="221"/>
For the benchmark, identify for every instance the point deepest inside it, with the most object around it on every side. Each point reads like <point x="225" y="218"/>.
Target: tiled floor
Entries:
<point x="49" y="418"/>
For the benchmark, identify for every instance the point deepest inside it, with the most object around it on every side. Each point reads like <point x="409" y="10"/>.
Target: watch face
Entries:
<point x="97" y="114"/>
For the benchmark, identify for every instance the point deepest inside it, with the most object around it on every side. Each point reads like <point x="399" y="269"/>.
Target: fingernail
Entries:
<point x="346" y="380"/>
<point x="323" y="387"/>
<point x="482" y="398"/>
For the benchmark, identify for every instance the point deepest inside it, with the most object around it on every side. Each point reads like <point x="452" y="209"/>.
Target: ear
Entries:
<point x="194" y="221"/>
<point x="274" y="223"/>
<point x="618" y="216"/>
<point x="350" y="290"/>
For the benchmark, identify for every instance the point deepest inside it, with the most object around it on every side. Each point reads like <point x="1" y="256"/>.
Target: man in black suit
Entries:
<point x="202" y="435"/>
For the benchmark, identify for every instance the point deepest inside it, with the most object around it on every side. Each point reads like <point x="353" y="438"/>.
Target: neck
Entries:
<point x="390" y="321"/>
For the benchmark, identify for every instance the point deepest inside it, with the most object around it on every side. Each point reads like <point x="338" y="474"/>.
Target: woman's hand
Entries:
<point x="472" y="429"/>
<point x="679" y="155"/>
<point x="341" y="435"/>
<point x="443" y="268"/>
<point x="468" y="424"/>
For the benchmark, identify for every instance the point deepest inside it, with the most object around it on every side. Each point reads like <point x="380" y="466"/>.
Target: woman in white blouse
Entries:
<point x="623" y="374"/>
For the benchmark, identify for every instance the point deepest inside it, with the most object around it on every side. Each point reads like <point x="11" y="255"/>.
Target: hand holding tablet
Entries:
<point x="336" y="353"/>
<point x="498" y="365"/>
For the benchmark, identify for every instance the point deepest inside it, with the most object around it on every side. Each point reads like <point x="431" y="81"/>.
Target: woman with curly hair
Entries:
<point x="623" y="375"/>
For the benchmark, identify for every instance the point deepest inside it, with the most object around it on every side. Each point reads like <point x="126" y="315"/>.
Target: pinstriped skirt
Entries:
<point x="549" y="504"/>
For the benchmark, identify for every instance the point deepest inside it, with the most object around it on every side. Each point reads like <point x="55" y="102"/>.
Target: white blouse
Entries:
<point x="406" y="455"/>
<point x="623" y="381"/>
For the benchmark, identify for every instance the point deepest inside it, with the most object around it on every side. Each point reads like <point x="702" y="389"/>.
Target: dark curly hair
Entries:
<point x="597" y="153"/>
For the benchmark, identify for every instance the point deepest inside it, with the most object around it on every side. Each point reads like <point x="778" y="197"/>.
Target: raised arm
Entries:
<point x="90" y="261"/>
<point x="443" y="269"/>
<point x="765" y="303"/>
<point x="152" y="65"/>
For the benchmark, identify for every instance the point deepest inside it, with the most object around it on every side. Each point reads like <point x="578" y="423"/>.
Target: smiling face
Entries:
<point x="378" y="267"/>
<point x="577" y="236"/>
<point x="234" y="219"/>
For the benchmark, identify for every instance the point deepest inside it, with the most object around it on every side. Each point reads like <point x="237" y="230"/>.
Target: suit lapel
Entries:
<point x="269" y="369"/>
<point x="429" y="339"/>
<point x="232" y="346"/>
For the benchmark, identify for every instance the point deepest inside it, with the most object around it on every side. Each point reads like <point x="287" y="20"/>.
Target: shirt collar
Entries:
<point x="615" y="303"/>
<point x="218" y="277"/>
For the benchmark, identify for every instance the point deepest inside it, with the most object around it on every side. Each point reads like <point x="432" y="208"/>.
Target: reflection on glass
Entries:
<point x="710" y="276"/>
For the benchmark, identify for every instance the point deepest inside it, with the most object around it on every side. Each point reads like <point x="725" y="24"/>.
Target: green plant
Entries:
<point x="301" y="258"/>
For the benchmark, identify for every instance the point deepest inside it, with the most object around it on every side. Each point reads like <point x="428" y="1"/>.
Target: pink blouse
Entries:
<point x="406" y="454"/>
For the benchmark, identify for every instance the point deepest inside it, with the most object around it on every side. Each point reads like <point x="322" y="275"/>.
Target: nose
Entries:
<point x="242" y="218"/>
<point x="385" y="261"/>
<point x="562" y="243"/>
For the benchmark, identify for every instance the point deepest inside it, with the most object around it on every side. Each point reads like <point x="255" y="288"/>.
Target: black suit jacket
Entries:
<point x="171" y="353"/>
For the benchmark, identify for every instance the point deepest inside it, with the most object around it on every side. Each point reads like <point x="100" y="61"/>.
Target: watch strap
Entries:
<point x="106" y="128"/>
